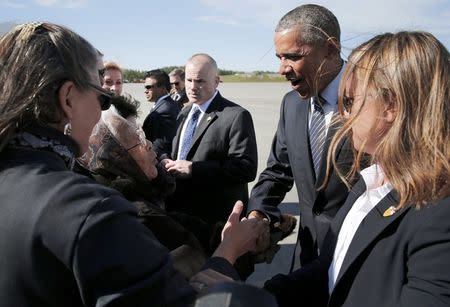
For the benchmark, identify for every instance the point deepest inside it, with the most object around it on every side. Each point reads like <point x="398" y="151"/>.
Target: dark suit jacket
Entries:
<point x="399" y="260"/>
<point x="160" y="125"/>
<point x="224" y="157"/>
<point x="290" y="161"/>
<point x="182" y="101"/>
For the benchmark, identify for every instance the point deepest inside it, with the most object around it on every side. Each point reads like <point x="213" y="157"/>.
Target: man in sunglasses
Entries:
<point x="160" y="124"/>
<point x="178" y="92"/>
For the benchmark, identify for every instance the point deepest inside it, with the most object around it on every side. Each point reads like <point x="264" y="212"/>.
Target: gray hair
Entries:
<point x="317" y="23"/>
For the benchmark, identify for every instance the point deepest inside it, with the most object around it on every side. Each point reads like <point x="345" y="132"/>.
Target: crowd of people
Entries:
<point x="100" y="211"/>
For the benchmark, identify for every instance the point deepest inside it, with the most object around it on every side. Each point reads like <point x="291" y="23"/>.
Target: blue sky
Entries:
<point x="237" y="33"/>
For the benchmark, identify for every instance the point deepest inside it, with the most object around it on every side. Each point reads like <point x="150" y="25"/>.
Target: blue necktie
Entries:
<point x="189" y="134"/>
<point x="317" y="134"/>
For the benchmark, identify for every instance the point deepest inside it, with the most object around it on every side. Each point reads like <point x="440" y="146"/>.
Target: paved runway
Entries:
<point x="263" y="101"/>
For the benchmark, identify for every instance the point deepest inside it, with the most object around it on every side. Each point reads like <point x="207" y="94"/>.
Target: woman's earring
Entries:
<point x="68" y="129"/>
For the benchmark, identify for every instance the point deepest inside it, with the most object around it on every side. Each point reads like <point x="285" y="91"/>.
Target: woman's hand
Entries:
<point x="241" y="236"/>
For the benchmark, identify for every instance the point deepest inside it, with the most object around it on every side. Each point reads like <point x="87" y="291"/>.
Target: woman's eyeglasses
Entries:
<point x="142" y="140"/>
<point x="104" y="98"/>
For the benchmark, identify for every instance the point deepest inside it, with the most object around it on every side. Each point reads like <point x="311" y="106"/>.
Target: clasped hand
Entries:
<point x="240" y="236"/>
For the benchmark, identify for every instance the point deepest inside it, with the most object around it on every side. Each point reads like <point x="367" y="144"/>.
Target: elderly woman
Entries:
<point x="66" y="240"/>
<point x="389" y="245"/>
<point x="120" y="157"/>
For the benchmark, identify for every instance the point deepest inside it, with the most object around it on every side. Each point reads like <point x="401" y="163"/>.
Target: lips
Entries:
<point x="295" y="82"/>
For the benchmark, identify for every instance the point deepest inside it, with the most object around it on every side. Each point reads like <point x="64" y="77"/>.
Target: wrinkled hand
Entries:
<point x="179" y="168"/>
<point x="287" y="225"/>
<point x="241" y="236"/>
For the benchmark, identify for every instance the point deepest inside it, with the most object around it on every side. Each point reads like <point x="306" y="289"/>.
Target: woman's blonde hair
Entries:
<point x="410" y="72"/>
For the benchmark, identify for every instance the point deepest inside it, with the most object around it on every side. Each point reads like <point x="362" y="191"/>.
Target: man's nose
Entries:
<point x="284" y="68"/>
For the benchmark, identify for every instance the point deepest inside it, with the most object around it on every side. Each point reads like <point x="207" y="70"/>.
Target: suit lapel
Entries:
<point x="303" y="148"/>
<point x="370" y="228"/>
<point x="208" y="118"/>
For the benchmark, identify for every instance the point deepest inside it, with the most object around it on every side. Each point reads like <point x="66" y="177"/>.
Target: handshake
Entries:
<point x="268" y="245"/>
<point x="252" y="235"/>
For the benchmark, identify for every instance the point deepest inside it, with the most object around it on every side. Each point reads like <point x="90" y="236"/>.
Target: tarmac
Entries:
<point x="263" y="101"/>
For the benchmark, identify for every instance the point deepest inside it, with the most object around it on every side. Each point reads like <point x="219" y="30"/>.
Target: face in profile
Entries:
<point x="85" y="111"/>
<point x="372" y="116"/>
<point x="113" y="81"/>
<point x="300" y="63"/>
<point x="142" y="152"/>
<point x="201" y="81"/>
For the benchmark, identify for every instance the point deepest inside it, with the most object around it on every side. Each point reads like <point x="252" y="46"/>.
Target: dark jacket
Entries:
<point x="398" y="260"/>
<point x="160" y="125"/>
<point x="224" y="157"/>
<point x="68" y="241"/>
<point x="290" y="162"/>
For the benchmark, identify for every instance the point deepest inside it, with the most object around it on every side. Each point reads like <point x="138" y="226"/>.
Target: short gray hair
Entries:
<point x="317" y="23"/>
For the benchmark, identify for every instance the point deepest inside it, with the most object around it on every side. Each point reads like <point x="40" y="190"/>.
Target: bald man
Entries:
<point x="214" y="152"/>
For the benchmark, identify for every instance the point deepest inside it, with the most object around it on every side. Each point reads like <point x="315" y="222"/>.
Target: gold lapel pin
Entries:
<point x="390" y="211"/>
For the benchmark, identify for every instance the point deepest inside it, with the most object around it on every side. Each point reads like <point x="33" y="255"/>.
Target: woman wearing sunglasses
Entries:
<point x="389" y="245"/>
<point x="66" y="240"/>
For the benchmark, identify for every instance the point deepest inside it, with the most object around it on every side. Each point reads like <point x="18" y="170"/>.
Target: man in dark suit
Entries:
<point x="178" y="91"/>
<point x="307" y="42"/>
<point x="214" y="151"/>
<point x="160" y="124"/>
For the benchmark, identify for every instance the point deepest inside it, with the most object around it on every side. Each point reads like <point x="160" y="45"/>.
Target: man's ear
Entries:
<point x="217" y="81"/>
<point x="333" y="47"/>
<point x="65" y="93"/>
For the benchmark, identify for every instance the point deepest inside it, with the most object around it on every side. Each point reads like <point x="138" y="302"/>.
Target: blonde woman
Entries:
<point x="389" y="245"/>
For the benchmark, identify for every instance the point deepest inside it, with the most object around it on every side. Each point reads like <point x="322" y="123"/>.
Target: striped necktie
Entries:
<point x="317" y="134"/>
<point x="189" y="134"/>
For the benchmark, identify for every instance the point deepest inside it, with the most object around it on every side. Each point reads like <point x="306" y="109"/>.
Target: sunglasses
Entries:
<point x="174" y="83"/>
<point x="149" y="87"/>
<point x="104" y="98"/>
<point x="347" y="103"/>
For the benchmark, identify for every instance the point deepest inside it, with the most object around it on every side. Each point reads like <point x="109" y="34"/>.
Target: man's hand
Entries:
<point x="179" y="168"/>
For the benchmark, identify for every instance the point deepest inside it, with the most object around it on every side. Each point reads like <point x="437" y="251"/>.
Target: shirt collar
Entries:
<point x="373" y="176"/>
<point x="204" y="106"/>
<point x="330" y="93"/>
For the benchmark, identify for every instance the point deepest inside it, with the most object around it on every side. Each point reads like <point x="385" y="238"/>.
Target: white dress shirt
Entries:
<point x="375" y="191"/>
<point x="203" y="107"/>
<point x="330" y="95"/>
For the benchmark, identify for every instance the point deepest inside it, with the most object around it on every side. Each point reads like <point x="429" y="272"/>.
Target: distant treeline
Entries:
<point x="133" y="75"/>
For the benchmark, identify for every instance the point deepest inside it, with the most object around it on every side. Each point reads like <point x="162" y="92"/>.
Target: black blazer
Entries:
<point x="398" y="260"/>
<point x="290" y="161"/>
<point x="224" y="157"/>
<point x="160" y="125"/>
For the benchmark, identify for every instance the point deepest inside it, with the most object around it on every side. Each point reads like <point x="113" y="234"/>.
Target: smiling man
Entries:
<point x="307" y="42"/>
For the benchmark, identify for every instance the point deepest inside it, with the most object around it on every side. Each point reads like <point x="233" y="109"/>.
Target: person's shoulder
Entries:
<point x="293" y="96"/>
